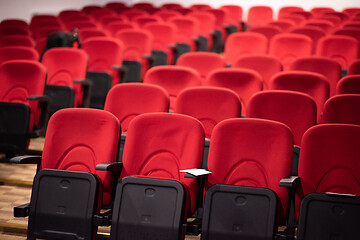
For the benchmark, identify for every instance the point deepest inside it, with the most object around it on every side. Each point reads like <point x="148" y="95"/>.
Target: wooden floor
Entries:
<point x="15" y="189"/>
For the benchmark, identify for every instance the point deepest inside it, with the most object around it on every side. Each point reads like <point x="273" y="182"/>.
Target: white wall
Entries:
<point x="24" y="9"/>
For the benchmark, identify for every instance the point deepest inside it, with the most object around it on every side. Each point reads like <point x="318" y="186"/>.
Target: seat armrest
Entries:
<point x="196" y="173"/>
<point x="44" y="114"/>
<point x="86" y="85"/>
<point x="290" y="182"/>
<point x="22" y="210"/>
<point x="28" y="159"/>
<point x="109" y="166"/>
<point x="192" y="228"/>
<point x="103" y="219"/>
<point x="83" y="82"/>
<point x="38" y="98"/>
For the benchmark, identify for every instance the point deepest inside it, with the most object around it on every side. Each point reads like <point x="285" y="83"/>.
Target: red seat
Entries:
<point x="203" y="62"/>
<point x="267" y="66"/>
<point x="128" y="100"/>
<point x="85" y="34"/>
<point x="354" y="67"/>
<point x="349" y="85"/>
<point x="242" y="43"/>
<point x="187" y="30"/>
<point x="173" y="79"/>
<point x="97" y="14"/>
<point x="289" y="46"/>
<point x="165" y="14"/>
<point x="132" y="13"/>
<point x="105" y="20"/>
<point x="318" y="11"/>
<point x="313" y="32"/>
<point x="171" y="6"/>
<point x="17" y="40"/>
<point x="200" y="7"/>
<point x="141" y="21"/>
<point x="117" y="6"/>
<point x="325" y="66"/>
<point x="6" y="31"/>
<point x="314" y="84"/>
<point x="259" y="15"/>
<point x="268" y="31"/>
<point x="116" y="26"/>
<point x="18" y="52"/>
<point x="150" y="151"/>
<point x="342" y="109"/>
<point x="343" y="49"/>
<point x="287" y="10"/>
<point x="295" y="109"/>
<point x="244" y="82"/>
<point x="286" y="25"/>
<point x="14" y="22"/>
<point x="235" y="14"/>
<point x="209" y="105"/>
<point x="351" y="12"/>
<point x="351" y="32"/>
<point x="325" y="25"/>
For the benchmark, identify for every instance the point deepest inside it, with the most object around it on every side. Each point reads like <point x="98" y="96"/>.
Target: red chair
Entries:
<point x="18" y="52"/>
<point x="259" y="15"/>
<point x="245" y="187"/>
<point x="165" y="14"/>
<point x="295" y="109"/>
<point x="342" y="109"/>
<point x="267" y="66"/>
<point x="117" y="6"/>
<point x="132" y="13"/>
<point x="89" y="8"/>
<point x="288" y="10"/>
<point x="173" y="79"/>
<point x="244" y="82"/>
<point x="17" y="40"/>
<point x="97" y="14"/>
<point x="349" y="85"/>
<point x="343" y="49"/>
<point x="325" y="25"/>
<point x="351" y="12"/>
<point x="141" y="21"/>
<point x="6" y="31"/>
<point x="23" y="108"/>
<point x="297" y="18"/>
<point x="327" y="171"/>
<point x="116" y="26"/>
<point x="136" y="54"/>
<point x="335" y="20"/>
<point x="354" y="68"/>
<point x="105" y="20"/>
<point x="68" y="14"/>
<point x="235" y="14"/>
<point x="200" y="7"/>
<point x="14" y="22"/>
<point x="314" y="84"/>
<point x="171" y="6"/>
<point x="318" y="11"/>
<point x="209" y="105"/>
<point x="351" y="32"/>
<point x="85" y="34"/>
<point x="66" y="68"/>
<point x="268" y="31"/>
<point x="313" y="32"/>
<point x="242" y="43"/>
<point x="330" y="68"/>
<point x="203" y="62"/>
<point x="286" y="25"/>
<point x="287" y="47"/>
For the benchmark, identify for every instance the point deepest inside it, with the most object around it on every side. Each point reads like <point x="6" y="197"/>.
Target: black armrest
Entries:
<point x="44" y="115"/>
<point x="28" y="159"/>
<point x="290" y="182"/>
<point x="22" y="210"/>
<point x="86" y="85"/>
<point x="103" y="219"/>
<point x="122" y="71"/>
<point x="109" y="166"/>
<point x="192" y="228"/>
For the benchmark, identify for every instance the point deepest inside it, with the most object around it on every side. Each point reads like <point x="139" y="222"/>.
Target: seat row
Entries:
<point x="159" y="178"/>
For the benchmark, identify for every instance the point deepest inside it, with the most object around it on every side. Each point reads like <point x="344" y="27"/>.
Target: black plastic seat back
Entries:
<point x="148" y="208"/>
<point x="59" y="202"/>
<point x="239" y="212"/>
<point x="326" y="216"/>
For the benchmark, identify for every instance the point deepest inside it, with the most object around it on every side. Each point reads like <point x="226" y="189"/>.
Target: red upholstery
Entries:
<point x="325" y="25"/>
<point x="290" y="46"/>
<point x="235" y="14"/>
<point x="133" y="13"/>
<point x="242" y="43"/>
<point x="117" y="6"/>
<point x="284" y="24"/>
<point x="187" y="30"/>
<point x="116" y="26"/>
<point x="245" y="151"/>
<point x="104" y="53"/>
<point x="328" y="161"/>
<point x="221" y="16"/>
<point x="330" y="68"/>
<point x="343" y="49"/>
<point x="127" y="100"/>
<point x="64" y="65"/>
<point x="18" y="52"/>
<point x="294" y="109"/>
<point x="318" y="11"/>
<point x="287" y="10"/>
<point x="85" y="34"/>
<point x="20" y="79"/>
<point x="89" y="8"/>
<point x="105" y="20"/>
<point x="165" y="14"/>
<point x="349" y="85"/>
<point x="17" y="40"/>
<point x="315" y="33"/>
<point x="351" y="32"/>
<point x="68" y="14"/>
<point x="96" y="14"/>
<point x="351" y="11"/>
<point x="267" y="66"/>
<point x="354" y="67"/>
<point x="160" y="144"/>
<point x="259" y="15"/>
<point x="200" y="7"/>
<point x="6" y="30"/>
<point x="171" y="6"/>
<point x="141" y="21"/>
<point x="314" y="84"/>
<point x="207" y="23"/>
<point x="342" y="108"/>
<point x="14" y="22"/>
<point x="296" y="17"/>
<point x="79" y="139"/>
<point x="268" y="31"/>
<point x="209" y="105"/>
<point x="203" y="62"/>
<point x="173" y="79"/>
<point x="244" y="82"/>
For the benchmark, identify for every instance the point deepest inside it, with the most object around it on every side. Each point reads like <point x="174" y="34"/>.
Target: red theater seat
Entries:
<point x="349" y="85"/>
<point x="18" y="52"/>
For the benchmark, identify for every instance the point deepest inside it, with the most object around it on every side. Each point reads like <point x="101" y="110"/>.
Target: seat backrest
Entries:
<point x="187" y="28"/>
<point x="343" y="49"/>
<point x="245" y="82"/>
<point x="318" y="11"/>
<point x="328" y="161"/>
<point x="163" y="33"/>
<point x="17" y="40"/>
<point x="85" y="34"/>
<point x="251" y="148"/>
<point x="141" y="21"/>
<point x="328" y="67"/>
<point x="259" y="15"/>
<point x="351" y="32"/>
<point x="116" y="26"/>
<point x="235" y="13"/>
<point x="354" y="67"/>
<point x="294" y="109"/>
<point x="315" y="33"/>
<point x="343" y="108"/>
<point x="77" y="139"/>
<point x="268" y="31"/>
<point x="242" y="43"/>
<point x="200" y="7"/>
<point x="165" y="14"/>
<point x="203" y="62"/>
<point x="158" y="145"/>
<point x="14" y="22"/>
<point x="209" y="105"/>
<point x="349" y="85"/>
<point x="105" y="20"/>
<point x="132" y="13"/>
<point x="325" y="25"/>
<point x="173" y="79"/>
<point x="7" y="30"/>
<point x="290" y="46"/>
<point x="137" y="43"/>
<point x="287" y="10"/>
<point x="18" y="52"/>
<point x="206" y="20"/>
<point x="127" y="100"/>
<point x="286" y="25"/>
<point x="267" y="66"/>
<point x="314" y="84"/>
